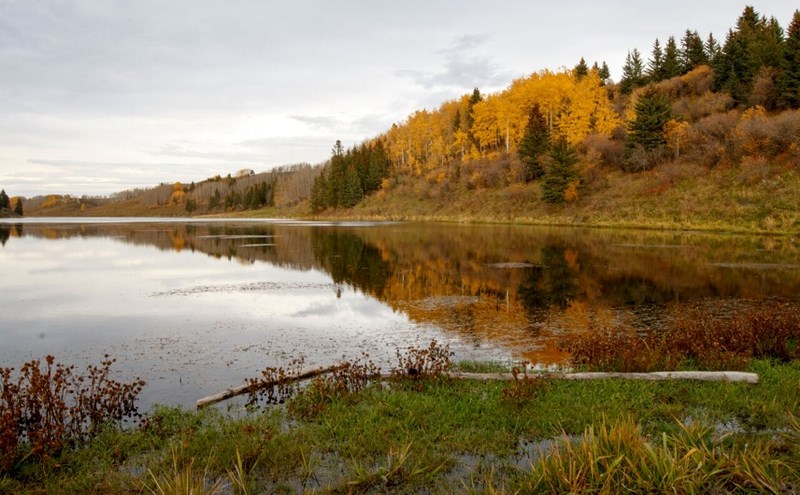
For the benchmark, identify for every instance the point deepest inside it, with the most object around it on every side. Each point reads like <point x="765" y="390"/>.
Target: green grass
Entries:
<point x="452" y="436"/>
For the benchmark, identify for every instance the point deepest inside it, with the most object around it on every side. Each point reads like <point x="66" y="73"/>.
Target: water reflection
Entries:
<point x="279" y="289"/>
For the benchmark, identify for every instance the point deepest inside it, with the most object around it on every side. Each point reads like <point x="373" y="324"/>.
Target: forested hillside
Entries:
<point x="699" y="130"/>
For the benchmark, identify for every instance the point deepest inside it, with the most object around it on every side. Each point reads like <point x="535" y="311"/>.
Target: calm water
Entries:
<point x="195" y="307"/>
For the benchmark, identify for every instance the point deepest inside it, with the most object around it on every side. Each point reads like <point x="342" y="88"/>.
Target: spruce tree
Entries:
<point x="646" y="131"/>
<point x="535" y="144"/>
<point x="604" y="73"/>
<point x="655" y="66"/>
<point x="692" y="51"/>
<point x="712" y="50"/>
<point x="560" y="172"/>
<point x="789" y="79"/>
<point x="581" y="70"/>
<point x="4" y="199"/>
<point x="672" y="63"/>
<point x="632" y="72"/>
<point x="18" y="207"/>
<point x="318" y="193"/>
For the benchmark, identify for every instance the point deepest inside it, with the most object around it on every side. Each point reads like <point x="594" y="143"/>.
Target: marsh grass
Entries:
<point x="694" y="340"/>
<point x="451" y="436"/>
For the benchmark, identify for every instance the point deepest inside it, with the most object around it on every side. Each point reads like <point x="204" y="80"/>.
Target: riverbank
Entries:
<point x="446" y="436"/>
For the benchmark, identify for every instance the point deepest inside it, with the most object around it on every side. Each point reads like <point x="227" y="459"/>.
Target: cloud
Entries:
<point x="463" y="67"/>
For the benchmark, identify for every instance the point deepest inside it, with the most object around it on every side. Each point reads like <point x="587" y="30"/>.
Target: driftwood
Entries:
<point x="243" y="389"/>
<point x="707" y="376"/>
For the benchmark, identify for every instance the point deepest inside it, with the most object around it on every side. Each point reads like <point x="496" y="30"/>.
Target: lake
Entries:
<point x="196" y="306"/>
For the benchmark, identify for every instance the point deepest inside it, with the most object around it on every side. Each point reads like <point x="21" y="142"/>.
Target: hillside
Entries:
<point x="702" y="135"/>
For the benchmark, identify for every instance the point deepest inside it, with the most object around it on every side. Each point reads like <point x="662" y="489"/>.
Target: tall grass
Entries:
<point x="695" y="339"/>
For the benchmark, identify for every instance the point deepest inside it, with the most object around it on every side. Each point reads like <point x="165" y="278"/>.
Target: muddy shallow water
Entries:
<point x="196" y="306"/>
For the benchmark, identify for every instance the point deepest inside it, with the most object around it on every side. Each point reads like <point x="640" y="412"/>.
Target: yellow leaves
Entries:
<point x="676" y="133"/>
<point x="571" y="192"/>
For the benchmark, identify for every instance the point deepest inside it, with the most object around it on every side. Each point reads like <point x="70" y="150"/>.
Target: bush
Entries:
<point x="45" y="409"/>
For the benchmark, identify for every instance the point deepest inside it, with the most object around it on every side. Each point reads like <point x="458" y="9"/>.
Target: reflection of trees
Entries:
<point x="5" y="233"/>
<point x="350" y="260"/>
<point x="499" y="283"/>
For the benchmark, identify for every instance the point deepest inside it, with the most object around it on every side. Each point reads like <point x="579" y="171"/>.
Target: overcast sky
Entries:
<point x="101" y="96"/>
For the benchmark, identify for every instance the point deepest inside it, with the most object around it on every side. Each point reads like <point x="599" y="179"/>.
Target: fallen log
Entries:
<point x="242" y="389"/>
<point x="707" y="376"/>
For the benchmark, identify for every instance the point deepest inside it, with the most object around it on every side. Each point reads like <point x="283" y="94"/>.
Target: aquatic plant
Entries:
<point x="48" y="406"/>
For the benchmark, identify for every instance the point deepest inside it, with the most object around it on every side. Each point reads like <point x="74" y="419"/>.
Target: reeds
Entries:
<point x="695" y="339"/>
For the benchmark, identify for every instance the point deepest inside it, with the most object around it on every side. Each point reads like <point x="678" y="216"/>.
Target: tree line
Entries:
<point x="11" y="204"/>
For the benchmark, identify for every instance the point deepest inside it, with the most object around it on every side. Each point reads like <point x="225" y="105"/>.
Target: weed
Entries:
<point x="183" y="480"/>
<point x="274" y="387"/>
<point x="524" y="388"/>
<point x="423" y="362"/>
<point x="695" y="339"/>
<point x="44" y="409"/>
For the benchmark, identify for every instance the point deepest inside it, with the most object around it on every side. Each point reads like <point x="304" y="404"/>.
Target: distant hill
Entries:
<point x="699" y="134"/>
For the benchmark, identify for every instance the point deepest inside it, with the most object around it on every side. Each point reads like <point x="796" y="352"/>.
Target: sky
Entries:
<point x="98" y="97"/>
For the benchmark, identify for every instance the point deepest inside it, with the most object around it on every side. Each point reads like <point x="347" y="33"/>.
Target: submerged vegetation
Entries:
<point x="351" y="432"/>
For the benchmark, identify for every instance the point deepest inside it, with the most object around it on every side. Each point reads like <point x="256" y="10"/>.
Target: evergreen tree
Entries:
<point x="18" y="207"/>
<point x="672" y="63"/>
<point x="214" y="200"/>
<point x="692" y="52"/>
<point x="789" y="79"/>
<point x="318" y="193"/>
<point x="535" y="144"/>
<point x="655" y="66"/>
<point x="581" y="70"/>
<point x="604" y="73"/>
<point x="632" y="72"/>
<point x="378" y="167"/>
<point x="560" y="172"/>
<point x="712" y="50"/>
<point x="470" y="118"/>
<point x="646" y="131"/>
<point x="4" y="199"/>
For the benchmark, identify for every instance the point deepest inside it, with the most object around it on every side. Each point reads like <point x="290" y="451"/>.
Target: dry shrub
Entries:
<point x="694" y="108"/>
<point x="275" y="385"/>
<point x="755" y="169"/>
<point x="764" y="90"/>
<point x="44" y="409"/>
<point x="695" y="338"/>
<point x="423" y="362"/>
<point x="711" y="142"/>
<point x="348" y="379"/>
<point x="609" y="152"/>
<point x="610" y="350"/>
<point x="524" y="388"/>
<point x="694" y="83"/>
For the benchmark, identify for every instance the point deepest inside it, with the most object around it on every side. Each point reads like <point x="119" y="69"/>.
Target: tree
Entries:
<point x="604" y="73"/>
<point x="560" y="174"/>
<point x="4" y="200"/>
<point x="692" y="51"/>
<point x="672" y="63"/>
<point x="18" y="207"/>
<point x="318" y="193"/>
<point x="632" y="72"/>
<point x="581" y="70"/>
<point x="534" y="144"/>
<point x="655" y="66"/>
<point x="646" y="131"/>
<point x="789" y="79"/>
<point x="712" y="50"/>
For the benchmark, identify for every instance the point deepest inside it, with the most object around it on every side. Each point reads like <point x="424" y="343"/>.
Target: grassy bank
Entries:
<point x="449" y="436"/>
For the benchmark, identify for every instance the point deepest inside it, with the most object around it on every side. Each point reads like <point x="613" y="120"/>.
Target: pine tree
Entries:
<point x="4" y="199"/>
<point x="560" y="172"/>
<point x="692" y="52"/>
<point x="632" y="72"/>
<point x="318" y="193"/>
<point x="646" y="131"/>
<point x="18" y="207"/>
<point x="352" y="192"/>
<point x="789" y="79"/>
<point x="672" y="63"/>
<point x="581" y="70"/>
<point x="712" y="50"/>
<point x="655" y="66"/>
<point x="535" y="144"/>
<point x="604" y="73"/>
